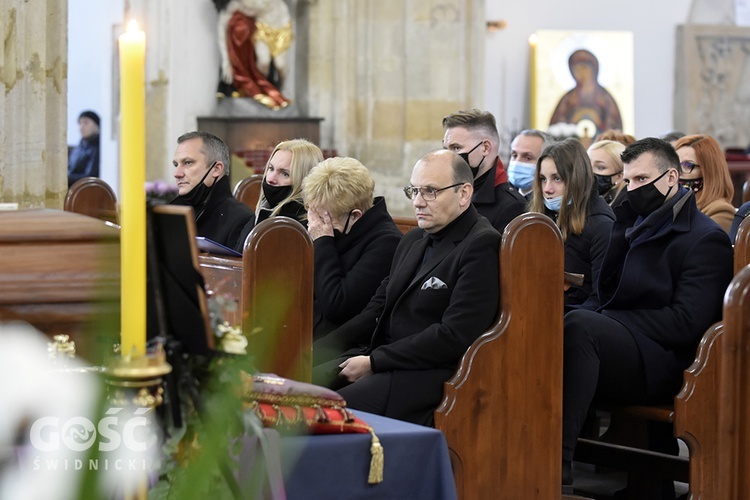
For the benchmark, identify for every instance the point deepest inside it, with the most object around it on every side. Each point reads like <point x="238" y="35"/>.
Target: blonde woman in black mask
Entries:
<point x="201" y="169"/>
<point x="281" y="194"/>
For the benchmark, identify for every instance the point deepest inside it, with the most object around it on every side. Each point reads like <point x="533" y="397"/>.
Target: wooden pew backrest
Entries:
<point x="502" y="410"/>
<point x="93" y="197"/>
<point x="248" y="190"/>
<point x="405" y="224"/>
<point x="277" y="297"/>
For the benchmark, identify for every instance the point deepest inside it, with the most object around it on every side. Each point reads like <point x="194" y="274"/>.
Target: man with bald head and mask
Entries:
<point x="472" y="134"/>
<point x="201" y="164"/>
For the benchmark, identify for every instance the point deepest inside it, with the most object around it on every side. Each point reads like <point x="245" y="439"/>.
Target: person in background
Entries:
<point x="672" y="137"/>
<point x="83" y="160"/>
<point x="615" y="135"/>
<point x="703" y="168"/>
<point x="525" y="150"/>
<point x="354" y="239"/>
<point x="565" y="191"/>
<point x="472" y="134"/>
<point x="201" y="168"/>
<point x="607" y="165"/>
<point x="281" y="192"/>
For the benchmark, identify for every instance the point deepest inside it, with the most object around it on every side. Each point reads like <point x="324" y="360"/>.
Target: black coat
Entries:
<point x="584" y="252"/>
<point x="664" y="280"/>
<point x="293" y="210"/>
<point x="84" y="160"/>
<point x="349" y="268"/>
<point x="499" y="203"/>
<point x="223" y="217"/>
<point x="421" y="332"/>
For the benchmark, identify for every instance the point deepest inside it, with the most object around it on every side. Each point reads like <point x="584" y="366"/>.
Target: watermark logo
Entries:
<point x="79" y="434"/>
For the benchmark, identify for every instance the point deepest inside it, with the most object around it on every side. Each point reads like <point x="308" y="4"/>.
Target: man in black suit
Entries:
<point x="660" y="287"/>
<point x="441" y="294"/>
<point x="201" y="169"/>
<point x="472" y="134"/>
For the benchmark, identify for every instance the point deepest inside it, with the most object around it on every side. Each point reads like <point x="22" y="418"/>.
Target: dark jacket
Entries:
<point x="350" y="267"/>
<point x="497" y="200"/>
<point x="584" y="252"/>
<point x="84" y="160"/>
<point x="222" y="217"/>
<point x="293" y="210"/>
<point x="422" y="328"/>
<point x="664" y="279"/>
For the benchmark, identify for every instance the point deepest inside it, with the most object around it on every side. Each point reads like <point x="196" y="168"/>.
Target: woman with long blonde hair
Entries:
<point x="607" y="166"/>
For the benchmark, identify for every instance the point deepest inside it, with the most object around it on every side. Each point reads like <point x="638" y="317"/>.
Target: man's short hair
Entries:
<point x="213" y="148"/>
<point x="460" y="171"/>
<point x="663" y="152"/>
<point x="547" y="139"/>
<point x="474" y="120"/>
<point x="339" y="185"/>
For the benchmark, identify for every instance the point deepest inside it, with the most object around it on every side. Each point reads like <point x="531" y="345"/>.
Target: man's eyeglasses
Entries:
<point x="687" y="166"/>
<point x="428" y="193"/>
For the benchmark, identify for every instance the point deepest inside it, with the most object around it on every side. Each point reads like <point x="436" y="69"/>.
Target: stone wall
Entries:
<point x="383" y="73"/>
<point x="712" y="83"/>
<point x="33" y="79"/>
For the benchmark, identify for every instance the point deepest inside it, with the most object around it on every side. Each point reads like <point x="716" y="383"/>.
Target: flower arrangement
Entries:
<point x="160" y="191"/>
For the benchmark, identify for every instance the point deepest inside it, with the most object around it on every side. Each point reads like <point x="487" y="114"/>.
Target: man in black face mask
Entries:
<point x="660" y="287"/>
<point x="472" y="134"/>
<point x="201" y="164"/>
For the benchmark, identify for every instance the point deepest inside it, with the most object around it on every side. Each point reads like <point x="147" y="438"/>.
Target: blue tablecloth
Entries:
<point x="417" y="465"/>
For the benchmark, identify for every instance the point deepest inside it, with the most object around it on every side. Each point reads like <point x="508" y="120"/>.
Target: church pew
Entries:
<point x="502" y="410"/>
<point x="273" y="283"/>
<point x="93" y="197"/>
<point x="248" y="190"/>
<point x="405" y="224"/>
<point x="712" y="411"/>
<point x="696" y="418"/>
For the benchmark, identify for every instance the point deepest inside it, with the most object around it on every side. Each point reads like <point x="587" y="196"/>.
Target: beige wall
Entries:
<point x="383" y="73"/>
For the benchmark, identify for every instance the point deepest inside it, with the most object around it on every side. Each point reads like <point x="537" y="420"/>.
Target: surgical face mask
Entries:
<point x="647" y="198"/>
<point x="603" y="183"/>
<point x="553" y="203"/>
<point x="521" y="175"/>
<point x="465" y="156"/>
<point x="695" y="184"/>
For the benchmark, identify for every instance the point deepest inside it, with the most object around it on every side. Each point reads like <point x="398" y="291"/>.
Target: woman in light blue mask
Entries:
<point x="565" y="190"/>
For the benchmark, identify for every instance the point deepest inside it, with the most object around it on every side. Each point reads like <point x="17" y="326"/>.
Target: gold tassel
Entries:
<point x="376" y="461"/>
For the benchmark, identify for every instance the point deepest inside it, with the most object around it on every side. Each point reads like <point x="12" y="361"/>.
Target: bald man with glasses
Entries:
<point x="441" y="294"/>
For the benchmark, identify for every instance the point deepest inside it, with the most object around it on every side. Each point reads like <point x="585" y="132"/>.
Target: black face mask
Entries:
<point x="696" y="185"/>
<point x="465" y="156"/>
<point x="275" y="194"/>
<point x="603" y="183"/>
<point x="198" y="195"/>
<point x="648" y="198"/>
<point x="338" y="235"/>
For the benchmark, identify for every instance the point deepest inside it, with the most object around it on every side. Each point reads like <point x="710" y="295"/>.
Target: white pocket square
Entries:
<point x="433" y="283"/>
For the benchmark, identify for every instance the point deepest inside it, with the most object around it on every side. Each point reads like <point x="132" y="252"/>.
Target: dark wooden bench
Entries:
<point x="405" y="224"/>
<point x="273" y="283"/>
<point x="93" y="197"/>
<point x="248" y="190"/>
<point x="697" y="423"/>
<point x="502" y="410"/>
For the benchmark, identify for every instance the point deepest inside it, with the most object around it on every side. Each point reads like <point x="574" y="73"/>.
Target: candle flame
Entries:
<point x="133" y="26"/>
<point x="533" y="39"/>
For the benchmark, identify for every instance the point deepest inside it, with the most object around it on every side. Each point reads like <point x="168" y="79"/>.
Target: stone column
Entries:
<point x="383" y="73"/>
<point x="33" y="102"/>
